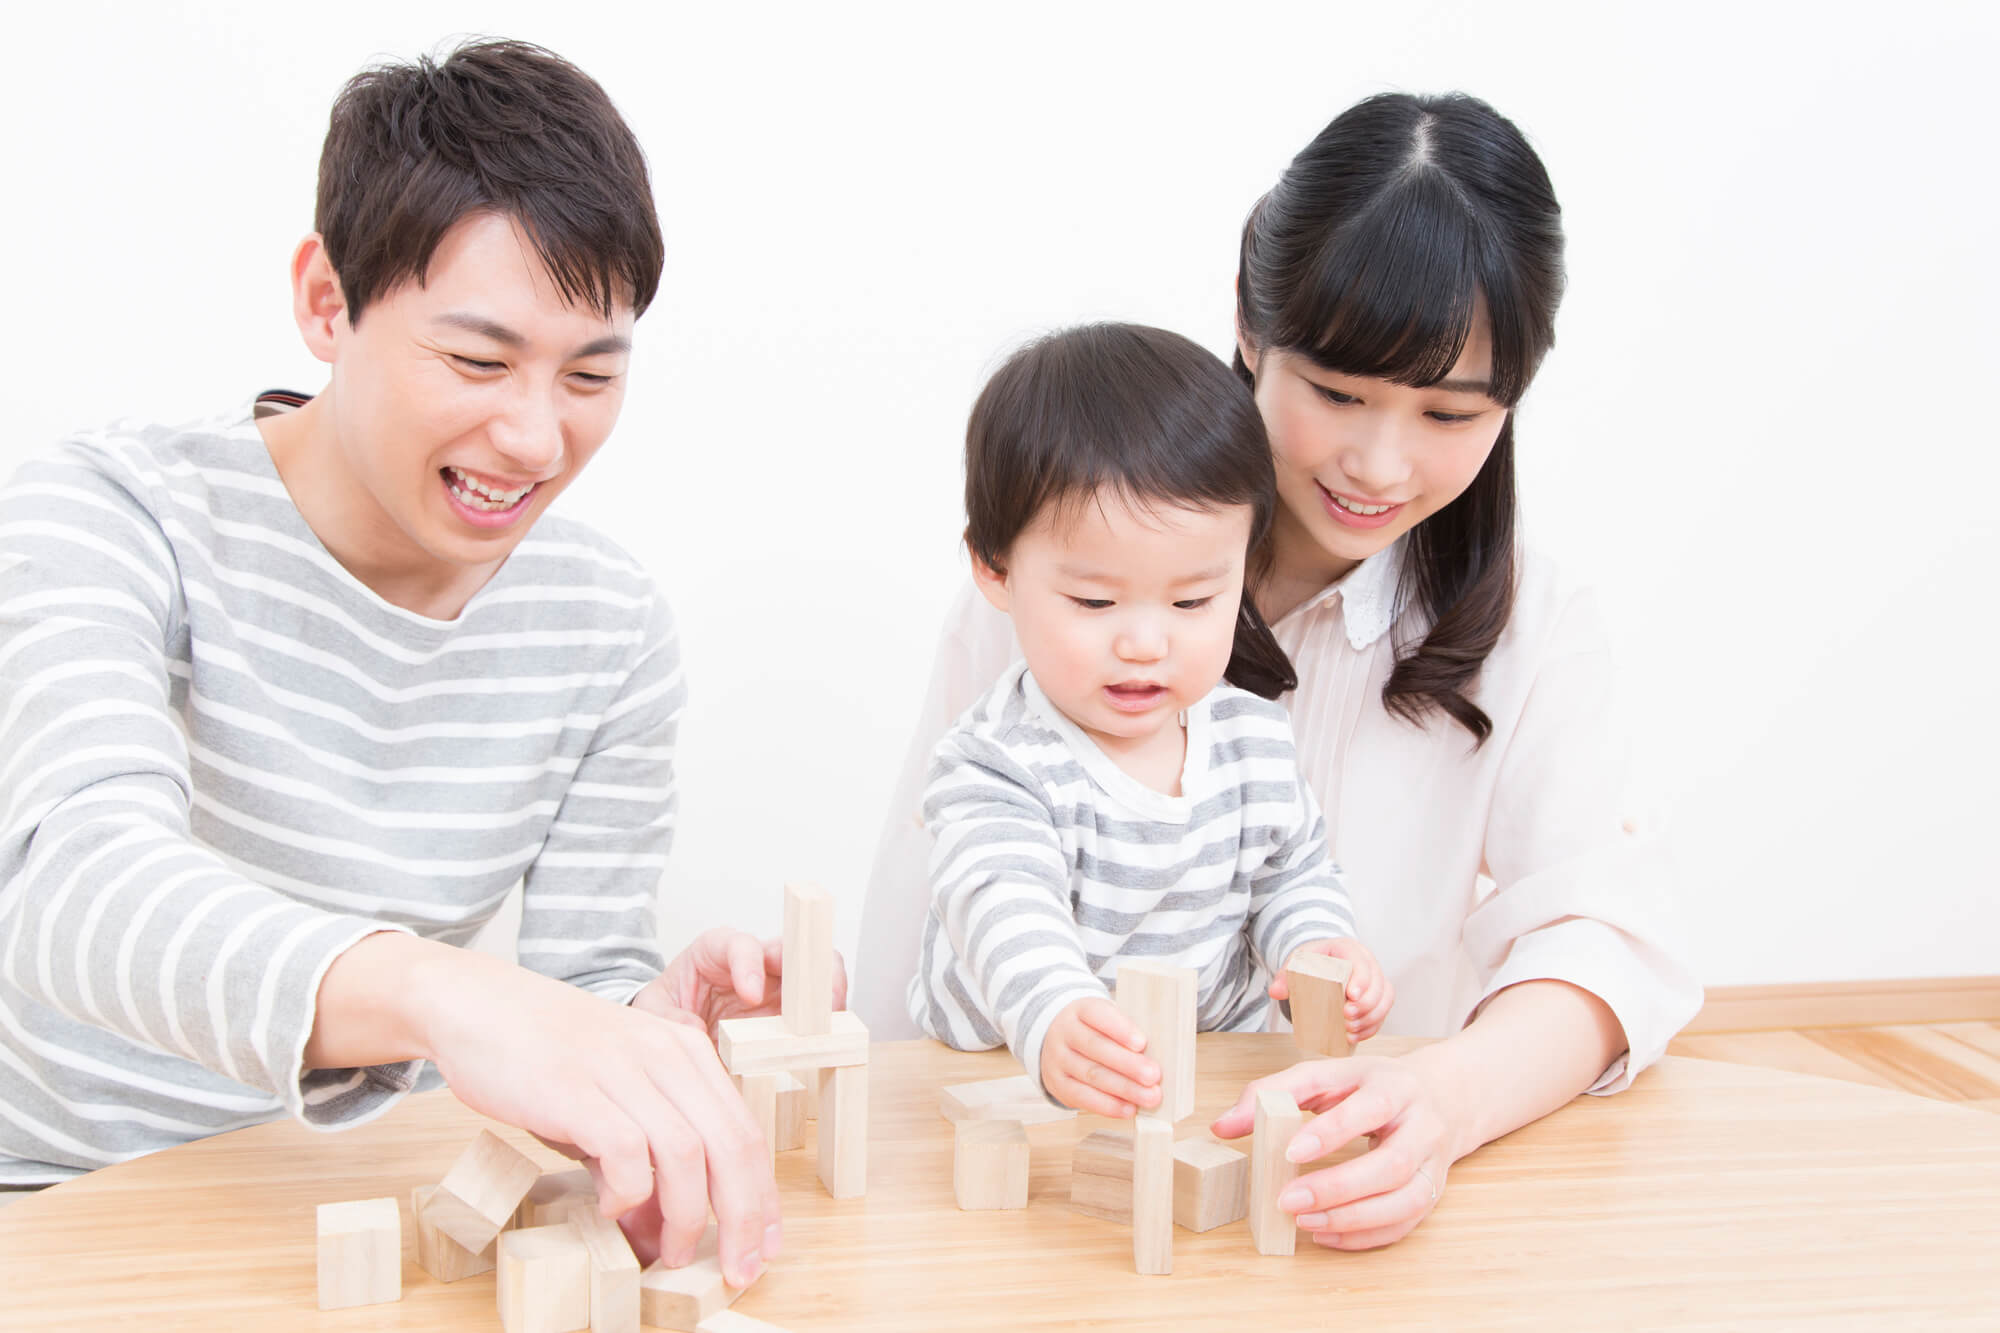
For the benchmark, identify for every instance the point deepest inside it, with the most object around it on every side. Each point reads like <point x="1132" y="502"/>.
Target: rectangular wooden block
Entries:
<point x="680" y="1298"/>
<point x="1278" y="1118"/>
<point x="614" y="1272"/>
<point x="843" y="1130"/>
<point x="1318" y="986"/>
<point x="543" y="1280"/>
<point x="360" y="1253"/>
<point x="806" y="985"/>
<point x="1152" y="1196"/>
<point x="1160" y="999"/>
<point x="549" y="1198"/>
<point x="438" y="1254"/>
<point x="1211" y="1184"/>
<point x="793" y="1107"/>
<point x="1016" y="1098"/>
<point x="481" y="1191"/>
<point x="989" y="1164"/>
<point x="760" y="1098"/>
<point x="1211" y="1181"/>
<point x="765" y="1045"/>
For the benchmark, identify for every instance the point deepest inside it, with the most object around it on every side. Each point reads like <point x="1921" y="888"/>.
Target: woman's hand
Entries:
<point x="1381" y="1195"/>
<point x="724" y="974"/>
<point x="1091" y="1061"/>
<point x="1369" y="990"/>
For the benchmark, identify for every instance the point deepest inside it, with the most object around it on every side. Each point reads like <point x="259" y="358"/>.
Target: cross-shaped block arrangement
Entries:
<point x="1211" y="1181"/>
<point x="1318" y="987"/>
<point x="808" y="1037"/>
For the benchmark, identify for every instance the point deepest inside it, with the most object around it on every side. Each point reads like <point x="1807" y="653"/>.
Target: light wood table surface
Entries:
<point x="1707" y="1196"/>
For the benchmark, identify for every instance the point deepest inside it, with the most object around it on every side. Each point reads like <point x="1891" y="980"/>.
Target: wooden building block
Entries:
<point x="843" y="1130"/>
<point x="760" y="1098"/>
<point x="1152" y="1196"/>
<point x="1211" y="1181"/>
<point x="1318" y="987"/>
<point x="805" y="995"/>
<point x="1278" y="1118"/>
<point x="1159" y="998"/>
<point x="481" y="1191"/>
<point x="360" y="1253"/>
<point x="548" y="1199"/>
<point x="543" y="1280"/>
<point x="765" y="1045"/>
<point x="614" y="1272"/>
<point x="439" y="1255"/>
<point x="1211" y="1184"/>
<point x="793" y="1106"/>
<point x="680" y="1298"/>
<point x="730" y="1321"/>
<point x="1016" y="1098"/>
<point x="989" y="1164"/>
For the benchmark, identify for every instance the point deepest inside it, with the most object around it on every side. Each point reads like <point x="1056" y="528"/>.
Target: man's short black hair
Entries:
<point x="496" y="127"/>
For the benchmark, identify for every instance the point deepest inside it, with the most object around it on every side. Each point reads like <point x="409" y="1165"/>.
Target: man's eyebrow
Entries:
<point x="610" y="344"/>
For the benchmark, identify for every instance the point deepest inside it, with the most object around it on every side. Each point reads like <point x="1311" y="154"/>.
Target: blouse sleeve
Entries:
<point x="1584" y="891"/>
<point x="976" y="646"/>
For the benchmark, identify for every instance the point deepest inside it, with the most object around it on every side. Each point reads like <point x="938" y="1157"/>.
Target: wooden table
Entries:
<point x="1707" y="1196"/>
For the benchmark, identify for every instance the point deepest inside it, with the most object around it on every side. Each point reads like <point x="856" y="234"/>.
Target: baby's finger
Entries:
<point x="1082" y="1065"/>
<point x="1094" y="1046"/>
<point x="1107" y="1018"/>
<point x="1081" y="1096"/>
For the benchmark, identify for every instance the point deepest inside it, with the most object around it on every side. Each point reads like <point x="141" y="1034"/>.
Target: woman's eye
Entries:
<point x="1091" y="603"/>
<point x="1195" y="603"/>
<point x="1335" y="395"/>
<point x="1454" y="418"/>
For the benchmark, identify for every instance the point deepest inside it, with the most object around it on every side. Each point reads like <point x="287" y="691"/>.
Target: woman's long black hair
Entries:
<point x="1371" y="256"/>
<point x="1142" y="413"/>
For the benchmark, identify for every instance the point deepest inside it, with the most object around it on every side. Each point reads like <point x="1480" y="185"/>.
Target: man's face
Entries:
<point x="463" y="406"/>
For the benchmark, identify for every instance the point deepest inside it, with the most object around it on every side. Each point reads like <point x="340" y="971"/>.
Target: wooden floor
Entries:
<point x="1951" y="1062"/>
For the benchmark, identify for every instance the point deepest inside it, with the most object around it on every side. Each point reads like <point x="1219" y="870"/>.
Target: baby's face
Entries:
<point x="1126" y="616"/>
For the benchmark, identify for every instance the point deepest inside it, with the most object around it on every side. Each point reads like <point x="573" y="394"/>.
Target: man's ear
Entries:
<point x="992" y="582"/>
<point x="319" y="307"/>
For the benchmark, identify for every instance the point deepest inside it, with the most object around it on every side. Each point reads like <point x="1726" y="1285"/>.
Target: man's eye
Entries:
<point x="484" y="367"/>
<point x="1092" y="603"/>
<point x="1195" y="603"/>
<point x="591" y="381"/>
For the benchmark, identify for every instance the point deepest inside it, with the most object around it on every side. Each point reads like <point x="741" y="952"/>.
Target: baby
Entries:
<point x="1130" y="789"/>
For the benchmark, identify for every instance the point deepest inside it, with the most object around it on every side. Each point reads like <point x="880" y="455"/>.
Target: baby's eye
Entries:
<point x="1092" y="603"/>
<point x="1195" y="603"/>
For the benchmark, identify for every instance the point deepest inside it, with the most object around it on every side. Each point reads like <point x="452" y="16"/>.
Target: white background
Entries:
<point x="1768" y="430"/>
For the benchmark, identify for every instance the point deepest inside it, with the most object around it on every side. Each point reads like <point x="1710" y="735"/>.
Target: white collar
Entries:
<point x="1367" y="594"/>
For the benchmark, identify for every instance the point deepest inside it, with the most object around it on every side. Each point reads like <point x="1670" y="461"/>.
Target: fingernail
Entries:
<point x="774" y="1240"/>
<point x="1312" y="1221"/>
<point x="747" y="1269"/>
<point x="1294" y="1199"/>
<point x="1304" y="1148"/>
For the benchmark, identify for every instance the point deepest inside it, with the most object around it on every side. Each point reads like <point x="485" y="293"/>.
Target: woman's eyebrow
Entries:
<point x="1465" y="386"/>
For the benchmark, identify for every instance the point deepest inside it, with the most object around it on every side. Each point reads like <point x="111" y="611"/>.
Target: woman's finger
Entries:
<point x="1401" y="1206"/>
<point x="1308" y="1082"/>
<point x="1366" y="1109"/>
<point x="1365" y="1240"/>
<point x="746" y="968"/>
<point x="680" y="1176"/>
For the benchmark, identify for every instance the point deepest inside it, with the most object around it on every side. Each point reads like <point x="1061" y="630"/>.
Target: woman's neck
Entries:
<point x="1300" y="567"/>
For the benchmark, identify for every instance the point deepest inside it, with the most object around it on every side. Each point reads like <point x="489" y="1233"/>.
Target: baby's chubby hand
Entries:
<point x="1369" y="990"/>
<point x="1092" y="1061"/>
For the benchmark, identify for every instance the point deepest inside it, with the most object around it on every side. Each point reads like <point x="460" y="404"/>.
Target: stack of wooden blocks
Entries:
<point x="807" y="1038"/>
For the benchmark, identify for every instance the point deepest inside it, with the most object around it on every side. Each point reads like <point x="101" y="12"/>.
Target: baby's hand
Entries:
<point x="1091" y="1061"/>
<point x="1369" y="990"/>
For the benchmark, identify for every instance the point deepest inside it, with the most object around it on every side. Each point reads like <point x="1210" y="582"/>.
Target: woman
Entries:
<point x="1396" y="292"/>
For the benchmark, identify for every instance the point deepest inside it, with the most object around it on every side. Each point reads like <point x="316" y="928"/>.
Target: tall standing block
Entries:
<point x="760" y="1098"/>
<point x="481" y="1191"/>
<point x="843" y="1130"/>
<point x="1152" y="1196"/>
<point x="1272" y="1229"/>
<point x="1160" y="999"/>
<point x="360" y="1253"/>
<point x="1318" y="986"/>
<point x="614" y="1271"/>
<point x="806" y="985"/>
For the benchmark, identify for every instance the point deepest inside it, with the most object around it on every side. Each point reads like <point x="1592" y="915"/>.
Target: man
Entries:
<point x="291" y="697"/>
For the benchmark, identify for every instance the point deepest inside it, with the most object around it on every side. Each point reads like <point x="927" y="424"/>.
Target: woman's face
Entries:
<point x="1361" y="461"/>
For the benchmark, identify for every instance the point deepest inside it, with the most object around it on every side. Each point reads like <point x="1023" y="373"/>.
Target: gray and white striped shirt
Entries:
<point x="1050" y="863"/>
<point x="223" y="760"/>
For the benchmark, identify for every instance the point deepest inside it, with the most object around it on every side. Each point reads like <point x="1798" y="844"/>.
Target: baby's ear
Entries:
<point x="992" y="582"/>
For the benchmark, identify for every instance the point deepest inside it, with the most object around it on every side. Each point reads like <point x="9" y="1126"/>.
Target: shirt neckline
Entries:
<point x="1367" y="594"/>
<point x="1103" y="769"/>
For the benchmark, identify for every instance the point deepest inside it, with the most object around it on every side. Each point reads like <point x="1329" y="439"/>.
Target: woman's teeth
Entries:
<point x="1366" y="510"/>
<point x="472" y="494"/>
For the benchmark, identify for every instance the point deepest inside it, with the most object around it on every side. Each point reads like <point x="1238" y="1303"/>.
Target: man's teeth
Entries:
<point x="1368" y="510"/>
<point x="471" y="492"/>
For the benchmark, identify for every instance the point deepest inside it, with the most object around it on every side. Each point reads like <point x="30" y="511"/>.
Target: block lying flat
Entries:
<point x="766" y="1046"/>
<point x="438" y="1254"/>
<point x="1016" y="1098"/>
<point x="360" y="1253"/>
<point x="481" y="1191"/>
<point x="989" y="1164"/>
<point x="548" y="1199"/>
<point x="543" y="1280"/>
<point x="680" y="1298"/>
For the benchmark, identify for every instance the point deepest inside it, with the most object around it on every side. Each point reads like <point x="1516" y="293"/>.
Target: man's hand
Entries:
<point x="1091" y="1061"/>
